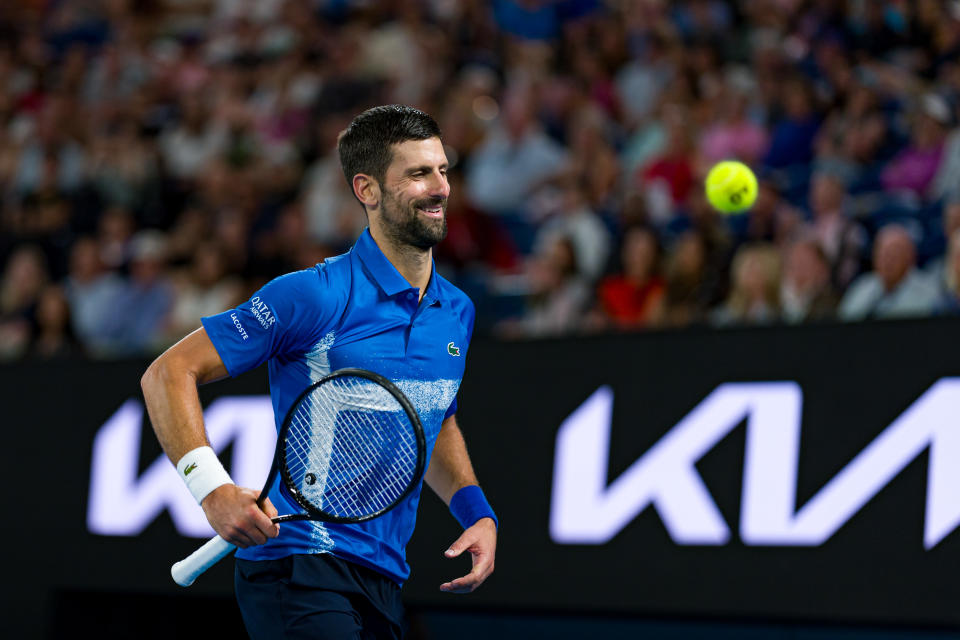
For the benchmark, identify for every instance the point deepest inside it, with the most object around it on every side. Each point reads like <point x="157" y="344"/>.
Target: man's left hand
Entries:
<point x="481" y="541"/>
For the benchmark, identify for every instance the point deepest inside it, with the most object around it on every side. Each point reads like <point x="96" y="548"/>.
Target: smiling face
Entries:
<point x="413" y="203"/>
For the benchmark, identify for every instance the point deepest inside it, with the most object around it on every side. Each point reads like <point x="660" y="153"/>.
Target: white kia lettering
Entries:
<point x="584" y="510"/>
<point x="123" y="503"/>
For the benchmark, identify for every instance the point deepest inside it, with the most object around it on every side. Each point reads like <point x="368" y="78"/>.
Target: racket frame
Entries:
<point x="280" y="464"/>
<point x="190" y="568"/>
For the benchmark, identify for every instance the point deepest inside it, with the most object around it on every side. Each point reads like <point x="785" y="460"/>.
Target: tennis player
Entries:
<point x="381" y="306"/>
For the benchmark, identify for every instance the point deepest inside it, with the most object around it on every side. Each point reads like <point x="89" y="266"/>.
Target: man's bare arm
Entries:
<point x="450" y="470"/>
<point x="170" y="391"/>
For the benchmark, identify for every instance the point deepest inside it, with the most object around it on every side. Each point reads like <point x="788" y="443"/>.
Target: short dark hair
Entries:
<point x="366" y="145"/>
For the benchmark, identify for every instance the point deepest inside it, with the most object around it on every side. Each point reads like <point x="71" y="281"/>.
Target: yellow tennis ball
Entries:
<point x="731" y="187"/>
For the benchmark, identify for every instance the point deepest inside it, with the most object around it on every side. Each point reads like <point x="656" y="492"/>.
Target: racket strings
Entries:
<point x="350" y="448"/>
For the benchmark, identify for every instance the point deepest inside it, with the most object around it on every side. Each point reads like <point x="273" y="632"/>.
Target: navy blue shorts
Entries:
<point x="319" y="597"/>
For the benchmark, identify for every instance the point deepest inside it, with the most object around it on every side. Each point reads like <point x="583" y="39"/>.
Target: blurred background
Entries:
<point x="162" y="159"/>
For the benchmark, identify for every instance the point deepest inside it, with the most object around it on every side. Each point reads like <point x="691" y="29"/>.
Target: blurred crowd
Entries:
<point x="161" y="159"/>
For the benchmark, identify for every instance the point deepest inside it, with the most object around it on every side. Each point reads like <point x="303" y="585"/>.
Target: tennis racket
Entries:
<point x="350" y="449"/>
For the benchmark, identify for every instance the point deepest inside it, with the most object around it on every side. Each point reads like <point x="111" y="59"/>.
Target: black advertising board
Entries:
<point x="807" y="474"/>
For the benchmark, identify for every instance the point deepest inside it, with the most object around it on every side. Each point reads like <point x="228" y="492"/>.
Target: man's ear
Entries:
<point x="367" y="190"/>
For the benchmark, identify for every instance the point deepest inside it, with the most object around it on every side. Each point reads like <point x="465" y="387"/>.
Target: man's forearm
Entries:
<point x="170" y="390"/>
<point x="450" y="468"/>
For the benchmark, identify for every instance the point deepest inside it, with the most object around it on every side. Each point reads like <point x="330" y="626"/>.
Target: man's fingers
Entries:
<point x="481" y="541"/>
<point x="273" y="530"/>
<point x="459" y="546"/>
<point x="237" y="536"/>
<point x="234" y="513"/>
<point x="268" y="508"/>
<point x="460" y="585"/>
<point x="465" y="584"/>
<point x="258" y="525"/>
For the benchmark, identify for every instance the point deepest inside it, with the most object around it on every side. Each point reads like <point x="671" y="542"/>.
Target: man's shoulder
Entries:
<point x="317" y="283"/>
<point x="336" y="265"/>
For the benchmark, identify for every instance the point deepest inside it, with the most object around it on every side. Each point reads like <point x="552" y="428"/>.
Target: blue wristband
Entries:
<point x="468" y="505"/>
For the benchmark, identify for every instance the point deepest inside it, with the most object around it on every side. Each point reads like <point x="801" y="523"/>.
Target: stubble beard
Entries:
<point x="406" y="226"/>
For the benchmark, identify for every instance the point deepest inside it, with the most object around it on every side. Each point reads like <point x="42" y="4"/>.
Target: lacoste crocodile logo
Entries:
<point x="189" y="468"/>
<point x="452" y="350"/>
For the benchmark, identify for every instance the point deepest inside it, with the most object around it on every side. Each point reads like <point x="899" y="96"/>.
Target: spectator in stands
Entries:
<point x="806" y="292"/>
<point x="573" y="218"/>
<point x="202" y="289"/>
<point x="194" y="140"/>
<point x="475" y="242"/>
<point x="286" y="246"/>
<point x="116" y="227"/>
<point x="44" y="211"/>
<point x="841" y="238"/>
<point x="515" y="157"/>
<point x="915" y="167"/>
<point x="755" y="289"/>
<point x="123" y="166"/>
<point x="593" y="157"/>
<point x="690" y="286"/>
<point x="144" y="303"/>
<point x="668" y="178"/>
<point x="948" y="282"/>
<point x="334" y="219"/>
<point x="771" y="218"/>
<point x="631" y="297"/>
<point x="713" y="229"/>
<point x="641" y="80"/>
<point x="949" y="301"/>
<point x="54" y="337"/>
<point x="24" y="278"/>
<point x="791" y="141"/>
<point x="734" y="135"/>
<point x="894" y="288"/>
<point x="946" y="184"/>
<point x="558" y="296"/>
<point x="937" y="268"/>
<point x="51" y="158"/>
<point x="854" y="139"/>
<point x="92" y="292"/>
<point x="224" y="133"/>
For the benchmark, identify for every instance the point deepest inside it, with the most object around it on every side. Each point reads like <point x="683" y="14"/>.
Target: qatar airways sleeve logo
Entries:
<point x="261" y="312"/>
<point x="586" y="510"/>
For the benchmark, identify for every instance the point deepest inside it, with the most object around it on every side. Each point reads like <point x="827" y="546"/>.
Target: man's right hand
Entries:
<point x="234" y="514"/>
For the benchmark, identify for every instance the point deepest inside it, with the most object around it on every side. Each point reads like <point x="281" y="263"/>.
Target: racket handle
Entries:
<point x="188" y="569"/>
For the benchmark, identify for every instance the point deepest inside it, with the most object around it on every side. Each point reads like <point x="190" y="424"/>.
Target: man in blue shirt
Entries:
<point x="381" y="306"/>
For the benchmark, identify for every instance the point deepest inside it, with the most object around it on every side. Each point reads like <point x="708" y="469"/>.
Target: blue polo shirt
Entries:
<point x="354" y="310"/>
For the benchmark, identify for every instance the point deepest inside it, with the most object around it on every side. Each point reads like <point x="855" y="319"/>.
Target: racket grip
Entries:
<point x="188" y="569"/>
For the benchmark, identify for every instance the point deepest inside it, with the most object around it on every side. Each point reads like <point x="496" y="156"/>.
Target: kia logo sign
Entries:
<point x="584" y="510"/>
<point x="123" y="503"/>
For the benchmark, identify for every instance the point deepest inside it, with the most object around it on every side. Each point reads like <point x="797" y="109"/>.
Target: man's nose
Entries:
<point x="439" y="186"/>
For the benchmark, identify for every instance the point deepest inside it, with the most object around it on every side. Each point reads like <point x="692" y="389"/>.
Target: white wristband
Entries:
<point x="201" y="470"/>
